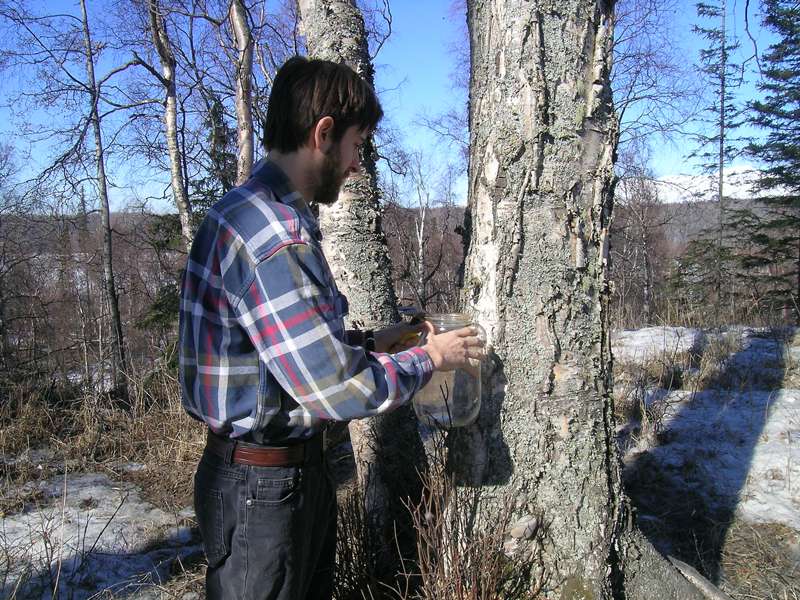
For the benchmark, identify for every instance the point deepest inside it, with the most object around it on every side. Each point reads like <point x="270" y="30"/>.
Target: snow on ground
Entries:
<point x="736" y="442"/>
<point x="107" y="536"/>
<point x="737" y="449"/>
<point x="641" y="345"/>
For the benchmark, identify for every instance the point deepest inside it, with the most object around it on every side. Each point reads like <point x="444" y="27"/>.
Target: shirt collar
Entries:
<point x="272" y="176"/>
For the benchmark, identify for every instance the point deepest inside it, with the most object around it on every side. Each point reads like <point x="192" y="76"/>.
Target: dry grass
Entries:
<point x="641" y="389"/>
<point x="457" y="558"/>
<point x="460" y="558"/>
<point x="761" y="561"/>
<point x="46" y="431"/>
<point x="93" y="432"/>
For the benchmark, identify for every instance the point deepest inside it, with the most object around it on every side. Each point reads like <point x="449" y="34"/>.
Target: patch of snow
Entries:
<point x="96" y="533"/>
<point x="641" y="345"/>
<point x="132" y="467"/>
<point x="794" y="353"/>
<point x="739" y="182"/>
<point x="737" y="449"/>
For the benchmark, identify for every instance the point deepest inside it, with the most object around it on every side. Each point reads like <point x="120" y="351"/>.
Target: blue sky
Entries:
<point x="670" y="158"/>
<point x="414" y="72"/>
<point x="414" y="69"/>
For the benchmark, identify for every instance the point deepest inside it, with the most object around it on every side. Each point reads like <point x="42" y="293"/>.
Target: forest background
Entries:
<point x="669" y="196"/>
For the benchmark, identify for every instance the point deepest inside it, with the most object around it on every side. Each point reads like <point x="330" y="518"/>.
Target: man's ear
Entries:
<point x="322" y="134"/>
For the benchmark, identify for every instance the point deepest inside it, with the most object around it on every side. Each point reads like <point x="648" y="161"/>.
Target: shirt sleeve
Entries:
<point x="292" y="318"/>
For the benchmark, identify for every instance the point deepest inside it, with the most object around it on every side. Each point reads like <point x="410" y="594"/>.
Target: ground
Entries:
<point x="708" y="425"/>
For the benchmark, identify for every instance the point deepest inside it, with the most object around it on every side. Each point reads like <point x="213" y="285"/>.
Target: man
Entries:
<point x="265" y="360"/>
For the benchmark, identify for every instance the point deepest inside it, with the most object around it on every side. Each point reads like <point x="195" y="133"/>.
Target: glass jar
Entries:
<point x="451" y="398"/>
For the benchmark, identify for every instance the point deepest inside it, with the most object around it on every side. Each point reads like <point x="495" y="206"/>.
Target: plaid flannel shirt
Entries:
<point x="264" y="354"/>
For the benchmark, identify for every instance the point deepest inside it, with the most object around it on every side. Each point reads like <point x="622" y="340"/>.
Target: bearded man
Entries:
<point x="265" y="360"/>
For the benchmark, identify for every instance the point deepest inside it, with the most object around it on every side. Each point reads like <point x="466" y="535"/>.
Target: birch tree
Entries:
<point x="387" y="448"/>
<point x="240" y="22"/>
<point x="542" y="139"/>
<point x="167" y="78"/>
<point x="118" y="363"/>
<point x="59" y="50"/>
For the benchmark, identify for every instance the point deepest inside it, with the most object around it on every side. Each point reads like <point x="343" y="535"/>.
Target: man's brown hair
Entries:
<point x="304" y="91"/>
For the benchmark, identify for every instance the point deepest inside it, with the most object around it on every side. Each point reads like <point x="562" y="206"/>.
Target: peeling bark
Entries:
<point x="244" y="90"/>
<point x="180" y="194"/>
<point x="387" y="448"/>
<point x="543" y="135"/>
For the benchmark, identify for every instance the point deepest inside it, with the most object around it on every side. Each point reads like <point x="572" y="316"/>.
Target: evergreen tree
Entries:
<point x="220" y="159"/>
<point x="708" y="272"/>
<point x="776" y="238"/>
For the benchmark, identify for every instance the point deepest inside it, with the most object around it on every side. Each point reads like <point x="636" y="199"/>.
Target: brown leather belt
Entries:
<point x="264" y="456"/>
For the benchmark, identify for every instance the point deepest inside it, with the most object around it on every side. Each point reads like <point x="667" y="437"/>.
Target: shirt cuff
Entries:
<point x="423" y="363"/>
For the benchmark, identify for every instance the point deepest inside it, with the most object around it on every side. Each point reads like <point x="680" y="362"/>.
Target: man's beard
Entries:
<point x="331" y="179"/>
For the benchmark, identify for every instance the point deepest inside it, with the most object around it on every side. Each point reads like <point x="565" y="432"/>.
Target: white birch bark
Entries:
<point x="240" y="23"/>
<point x="387" y="448"/>
<point x="542" y="143"/>
<point x="419" y="224"/>
<point x="118" y="364"/>
<point x="180" y="194"/>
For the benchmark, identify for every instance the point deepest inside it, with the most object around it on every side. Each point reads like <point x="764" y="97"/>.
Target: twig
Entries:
<point x="61" y="538"/>
<point x="86" y="555"/>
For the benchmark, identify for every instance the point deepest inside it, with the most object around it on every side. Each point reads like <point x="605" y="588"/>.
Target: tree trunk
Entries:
<point x="244" y="84"/>
<point x="721" y="150"/>
<point x="542" y="144"/>
<point x="647" y="291"/>
<point x="419" y="224"/>
<point x="118" y="365"/>
<point x="158" y="29"/>
<point x="5" y="354"/>
<point x="387" y="448"/>
<point x="85" y="304"/>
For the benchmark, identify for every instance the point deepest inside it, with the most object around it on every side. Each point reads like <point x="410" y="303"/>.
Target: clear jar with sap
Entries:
<point x="451" y="398"/>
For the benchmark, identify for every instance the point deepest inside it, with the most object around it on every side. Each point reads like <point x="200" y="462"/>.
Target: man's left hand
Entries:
<point x="398" y="337"/>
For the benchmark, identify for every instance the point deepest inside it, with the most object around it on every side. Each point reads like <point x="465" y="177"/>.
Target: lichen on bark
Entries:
<point x="542" y="140"/>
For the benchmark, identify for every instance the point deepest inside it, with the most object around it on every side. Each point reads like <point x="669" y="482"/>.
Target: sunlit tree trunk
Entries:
<point x="244" y="94"/>
<point x="542" y="144"/>
<point x="387" y="449"/>
<point x="419" y="225"/>
<point x="161" y="41"/>
<point x="118" y="343"/>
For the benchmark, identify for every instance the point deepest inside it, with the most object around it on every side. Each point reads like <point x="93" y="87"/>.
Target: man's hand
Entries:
<point x="398" y="337"/>
<point x="453" y="349"/>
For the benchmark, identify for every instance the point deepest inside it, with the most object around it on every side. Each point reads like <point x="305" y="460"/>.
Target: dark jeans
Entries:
<point x="269" y="533"/>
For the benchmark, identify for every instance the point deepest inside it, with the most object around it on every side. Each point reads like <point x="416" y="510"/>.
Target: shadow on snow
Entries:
<point x="687" y="486"/>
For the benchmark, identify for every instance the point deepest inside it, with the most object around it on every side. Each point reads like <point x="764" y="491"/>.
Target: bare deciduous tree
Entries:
<point x="421" y="221"/>
<point x="387" y="449"/>
<point x="240" y="22"/>
<point x="163" y="46"/>
<point x="118" y="363"/>
<point x="543" y="134"/>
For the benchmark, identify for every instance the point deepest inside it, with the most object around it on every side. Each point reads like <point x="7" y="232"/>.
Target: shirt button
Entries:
<point x="249" y="503"/>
